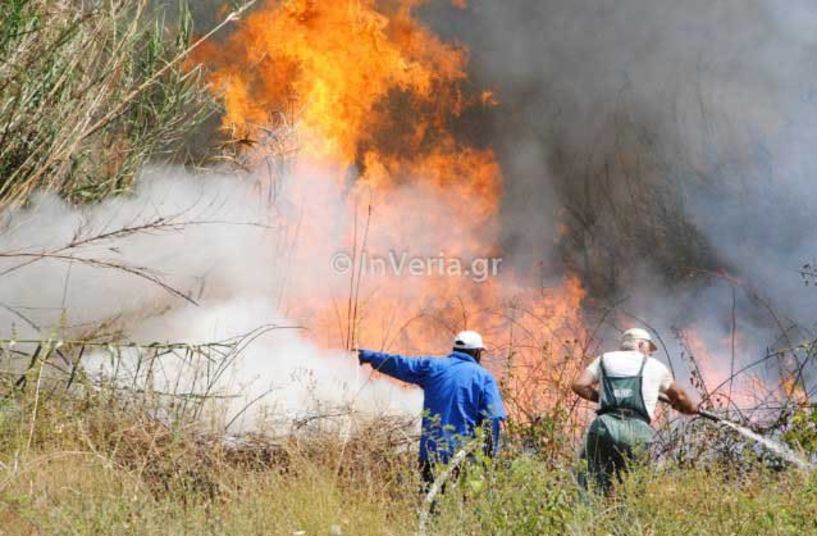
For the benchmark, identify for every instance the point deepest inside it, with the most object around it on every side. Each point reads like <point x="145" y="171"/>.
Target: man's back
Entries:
<point x="459" y="396"/>
<point x="461" y="393"/>
<point x="657" y="378"/>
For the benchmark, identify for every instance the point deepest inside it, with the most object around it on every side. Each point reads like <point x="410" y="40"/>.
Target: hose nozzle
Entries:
<point x="701" y="412"/>
<point x="707" y="415"/>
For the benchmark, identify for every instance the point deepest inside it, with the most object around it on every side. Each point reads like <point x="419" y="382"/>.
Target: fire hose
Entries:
<point x="437" y="485"/>
<point x="700" y="412"/>
<point x="776" y="447"/>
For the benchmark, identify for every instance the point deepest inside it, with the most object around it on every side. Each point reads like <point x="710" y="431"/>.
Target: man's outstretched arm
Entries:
<point x="407" y="369"/>
<point x="585" y="386"/>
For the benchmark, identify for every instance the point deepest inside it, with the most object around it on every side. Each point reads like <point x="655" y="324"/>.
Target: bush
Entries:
<point x="77" y="114"/>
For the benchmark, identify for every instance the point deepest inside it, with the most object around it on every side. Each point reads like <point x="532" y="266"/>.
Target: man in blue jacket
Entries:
<point x="460" y="396"/>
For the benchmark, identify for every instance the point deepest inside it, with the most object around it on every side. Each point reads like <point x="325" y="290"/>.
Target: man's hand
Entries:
<point x="585" y="387"/>
<point x="679" y="400"/>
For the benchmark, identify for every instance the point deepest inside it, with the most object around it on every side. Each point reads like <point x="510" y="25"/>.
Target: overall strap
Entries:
<point x="601" y="366"/>
<point x="643" y="364"/>
<point x="606" y="399"/>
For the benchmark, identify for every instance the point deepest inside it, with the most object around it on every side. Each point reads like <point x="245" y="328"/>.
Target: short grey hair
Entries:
<point x="629" y="344"/>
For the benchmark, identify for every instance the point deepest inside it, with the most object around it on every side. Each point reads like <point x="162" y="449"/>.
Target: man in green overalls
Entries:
<point x="631" y="382"/>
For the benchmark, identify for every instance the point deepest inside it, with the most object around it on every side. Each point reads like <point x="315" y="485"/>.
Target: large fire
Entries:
<point x="376" y="99"/>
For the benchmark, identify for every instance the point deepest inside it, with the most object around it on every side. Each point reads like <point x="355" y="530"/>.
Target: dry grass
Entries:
<point x="104" y="458"/>
<point x="102" y="467"/>
<point x="101" y="463"/>
<point x="86" y="96"/>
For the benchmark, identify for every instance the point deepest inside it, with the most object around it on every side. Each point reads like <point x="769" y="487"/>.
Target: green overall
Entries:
<point x="622" y="429"/>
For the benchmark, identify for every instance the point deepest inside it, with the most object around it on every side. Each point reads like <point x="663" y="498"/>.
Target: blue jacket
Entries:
<point x="459" y="396"/>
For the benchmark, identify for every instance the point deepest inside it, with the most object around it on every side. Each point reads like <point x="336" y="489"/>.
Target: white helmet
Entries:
<point x="468" y="340"/>
<point x="638" y="334"/>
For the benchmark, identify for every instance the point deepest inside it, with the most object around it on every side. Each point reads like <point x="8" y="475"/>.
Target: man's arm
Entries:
<point x="409" y="370"/>
<point x="494" y="442"/>
<point x="585" y="386"/>
<point x="494" y="411"/>
<point x="679" y="399"/>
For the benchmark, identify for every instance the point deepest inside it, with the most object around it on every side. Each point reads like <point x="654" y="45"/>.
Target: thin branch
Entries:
<point x="122" y="106"/>
<point x="137" y="271"/>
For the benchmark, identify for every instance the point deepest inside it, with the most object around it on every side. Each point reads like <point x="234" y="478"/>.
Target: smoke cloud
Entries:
<point x="660" y="150"/>
<point x="672" y="143"/>
<point x="230" y="253"/>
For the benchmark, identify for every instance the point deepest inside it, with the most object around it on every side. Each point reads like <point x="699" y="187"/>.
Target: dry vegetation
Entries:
<point x="99" y="458"/>
<point x="87" y="95"/>
<point x="95" y="466"/>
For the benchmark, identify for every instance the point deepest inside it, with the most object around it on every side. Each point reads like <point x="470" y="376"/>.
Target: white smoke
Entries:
<point x="198" y="259"/>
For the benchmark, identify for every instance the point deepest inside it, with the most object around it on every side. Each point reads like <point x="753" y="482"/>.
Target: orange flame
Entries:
<point x="339" y="60"/>
<point x="714" y="356"/>
<point x="373" y="91"/>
